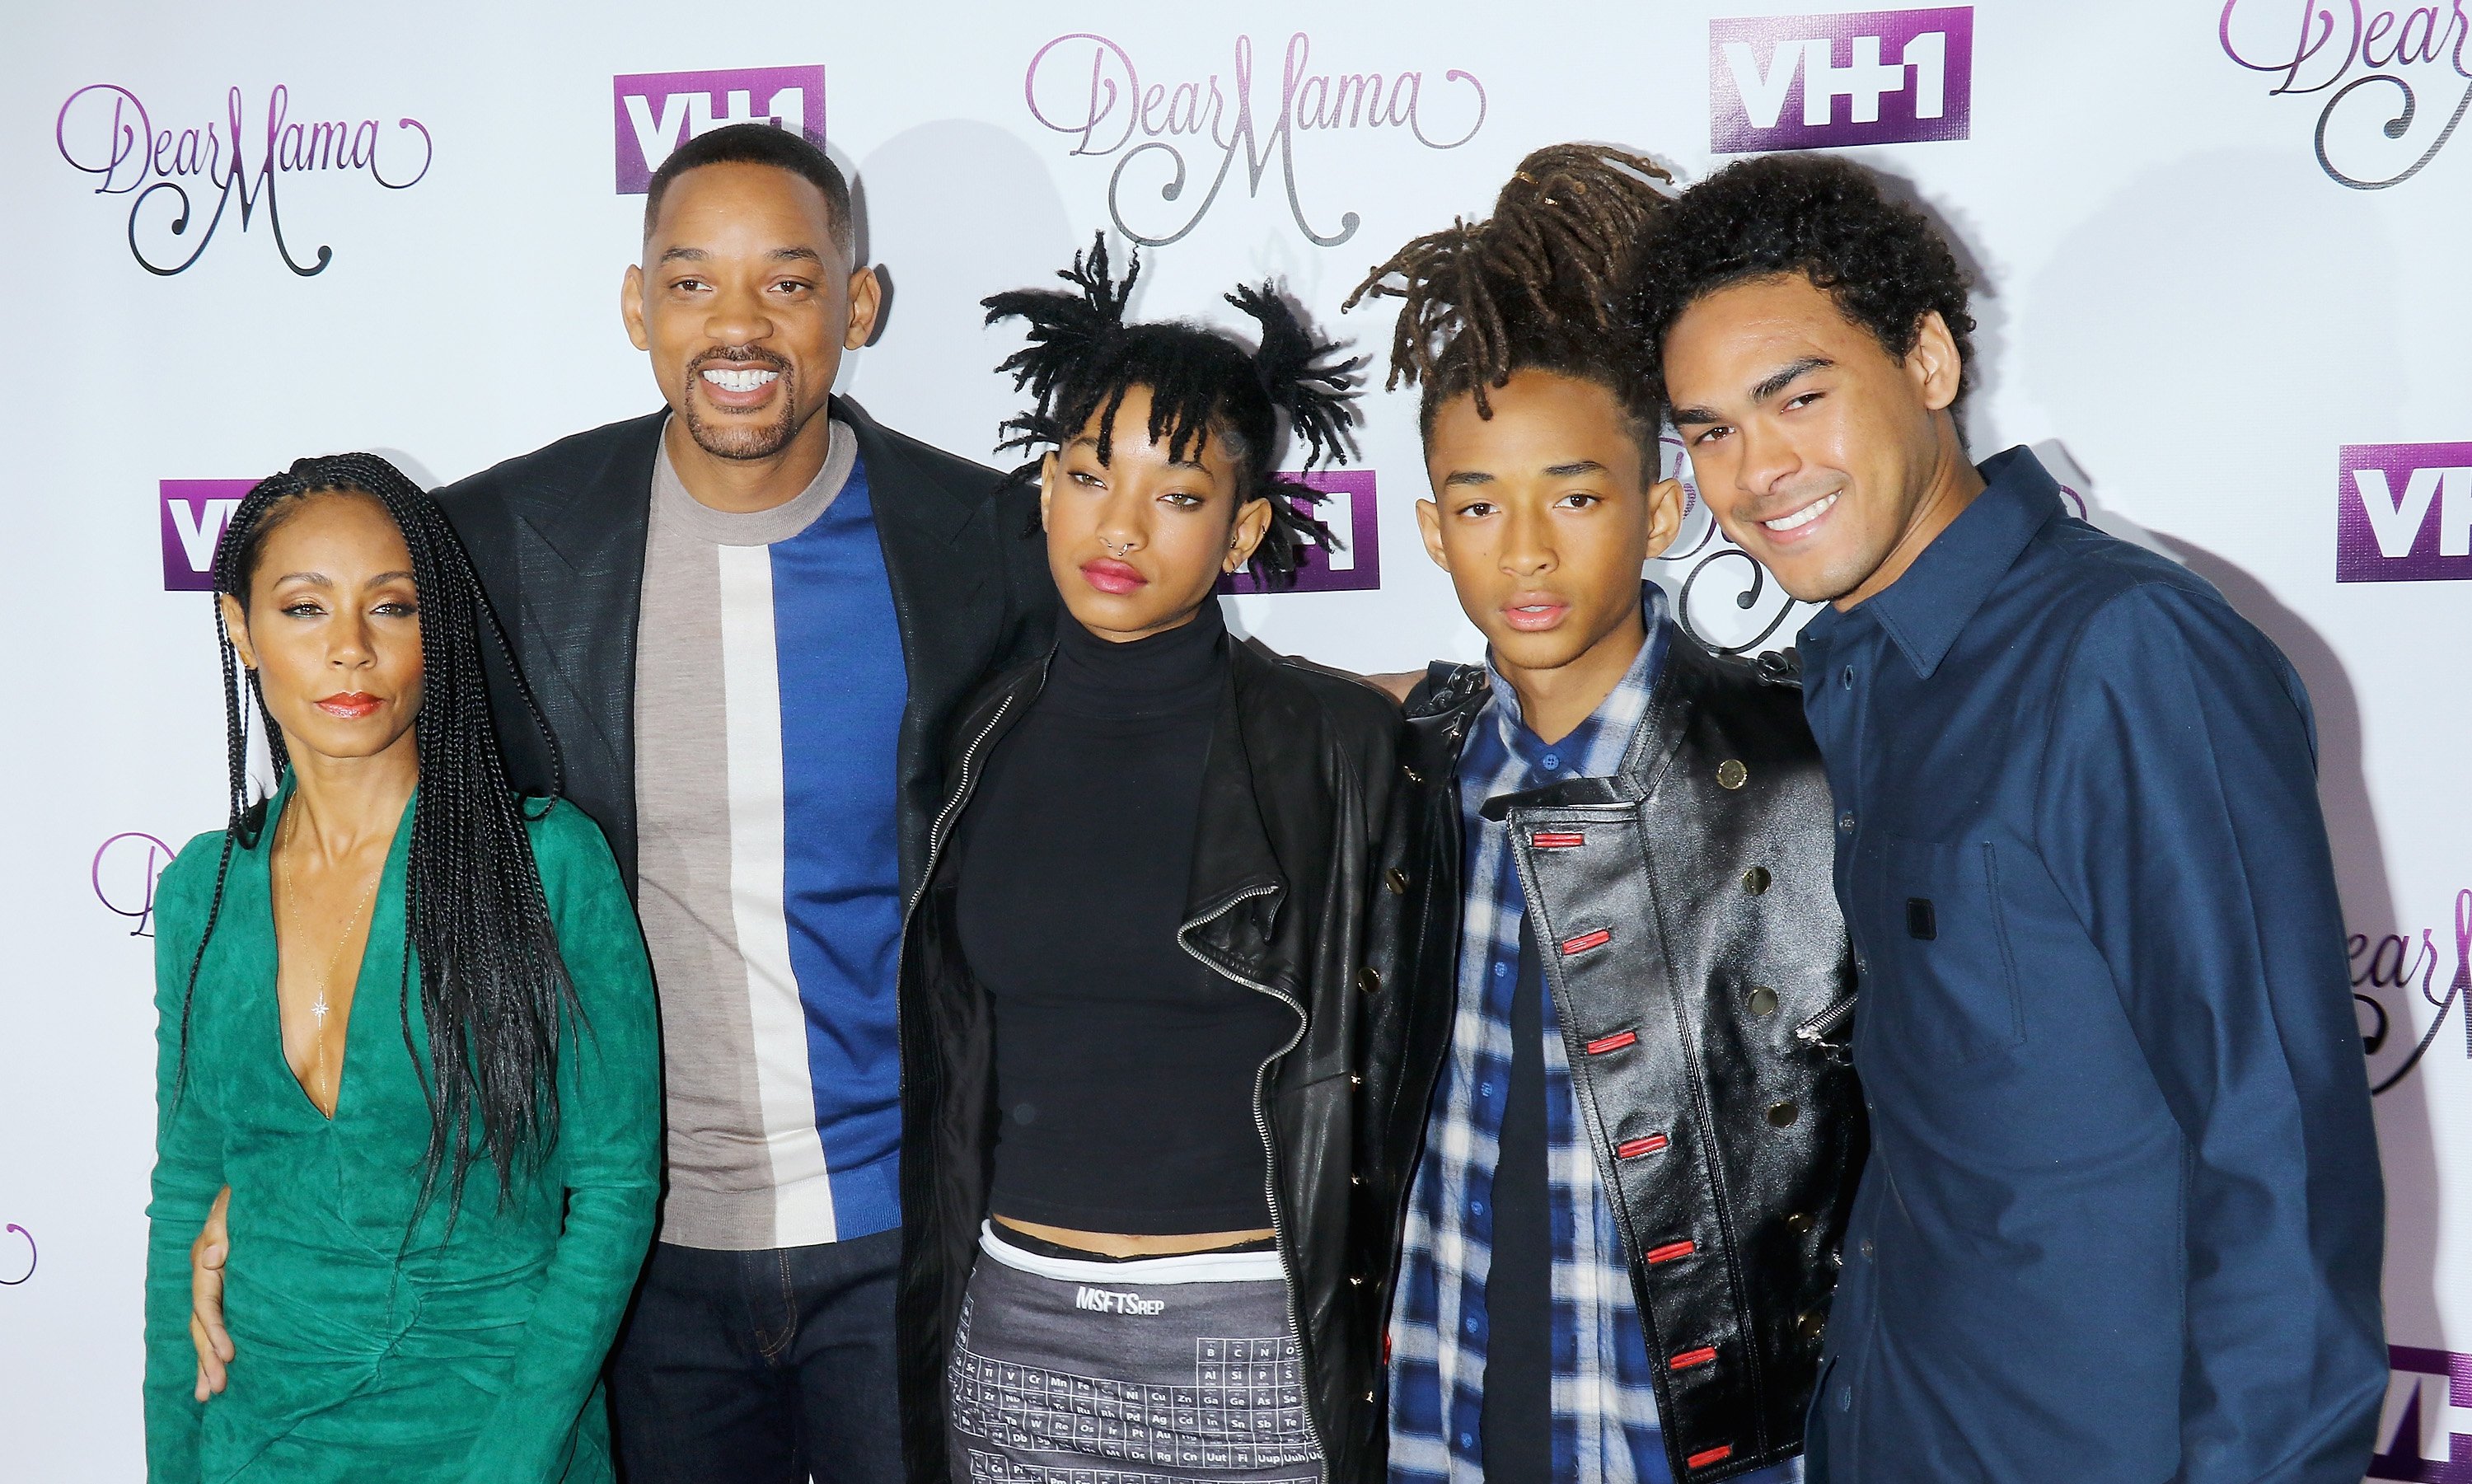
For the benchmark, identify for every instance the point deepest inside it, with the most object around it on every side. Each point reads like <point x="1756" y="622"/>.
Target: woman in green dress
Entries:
<point x="407" y="1023"/>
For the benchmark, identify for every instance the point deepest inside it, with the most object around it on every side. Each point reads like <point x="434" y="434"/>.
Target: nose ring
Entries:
<point x="1114" y="550"/>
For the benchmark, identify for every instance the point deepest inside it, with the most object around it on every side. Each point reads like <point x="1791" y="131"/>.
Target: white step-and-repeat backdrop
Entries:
<point x="2221" y="250"/>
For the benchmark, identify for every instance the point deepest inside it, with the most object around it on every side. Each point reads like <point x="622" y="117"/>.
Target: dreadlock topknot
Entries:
<point x="1083" y="358"/>
<point x="1539" y="284"/>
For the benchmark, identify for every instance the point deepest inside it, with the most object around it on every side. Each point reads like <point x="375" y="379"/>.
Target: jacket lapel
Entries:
<point x="587" y="548"/>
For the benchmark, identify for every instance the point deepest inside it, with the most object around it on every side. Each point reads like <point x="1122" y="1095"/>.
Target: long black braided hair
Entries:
<point x="1540" y="286"/>
<point x="1083" y="358"/>
<point x="494" y="987"/>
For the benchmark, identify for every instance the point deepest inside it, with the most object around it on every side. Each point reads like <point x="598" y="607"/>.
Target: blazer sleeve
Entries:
<point x="2180" y="816"/>
<point x="188" y="1172"/>
<point x="608" y="1154"/>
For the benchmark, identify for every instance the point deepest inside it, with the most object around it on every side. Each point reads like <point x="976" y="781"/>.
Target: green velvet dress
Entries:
<point x="374" y="1340"/>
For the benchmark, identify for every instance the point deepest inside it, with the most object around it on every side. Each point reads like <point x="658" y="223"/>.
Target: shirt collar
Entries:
<point x="1596" y="747"/>
<point x="1927" y="608"/>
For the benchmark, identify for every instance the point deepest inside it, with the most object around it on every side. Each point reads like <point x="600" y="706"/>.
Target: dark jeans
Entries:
<point x="760" y="1367"/>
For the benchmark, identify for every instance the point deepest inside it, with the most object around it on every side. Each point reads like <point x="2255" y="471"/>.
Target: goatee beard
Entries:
<point x="737" y="439"/>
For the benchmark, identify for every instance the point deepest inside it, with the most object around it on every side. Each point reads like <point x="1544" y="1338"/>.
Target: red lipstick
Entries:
<point x="349" y="705"/>
<point x="1108" y="575"/>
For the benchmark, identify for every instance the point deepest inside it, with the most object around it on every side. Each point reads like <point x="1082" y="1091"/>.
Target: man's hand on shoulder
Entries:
<point x="1396" y="682"/>
<point x="206" y="1330"/>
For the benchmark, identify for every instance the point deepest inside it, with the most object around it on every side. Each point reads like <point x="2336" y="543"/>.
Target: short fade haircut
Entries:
<point x="760" y="144"/>
<point x="1884" y="264"/>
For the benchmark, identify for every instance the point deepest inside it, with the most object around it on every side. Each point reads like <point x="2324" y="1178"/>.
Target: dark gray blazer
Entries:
<point x="558" y="539"/>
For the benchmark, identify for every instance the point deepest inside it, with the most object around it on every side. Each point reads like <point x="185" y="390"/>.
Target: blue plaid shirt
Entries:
<point x="1604" y="1406"/>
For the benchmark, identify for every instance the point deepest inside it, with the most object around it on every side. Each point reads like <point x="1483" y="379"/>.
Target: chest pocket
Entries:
<point x="1947" y="984"/>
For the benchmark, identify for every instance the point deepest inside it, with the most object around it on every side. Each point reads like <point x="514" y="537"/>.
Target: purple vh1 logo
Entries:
<point x="2420" y="1430"/>
<point x="1354" y="561"/>
<point x="1773" y="81"/>
<point x="2403" y="513"/>
<point x="657" y="111"/>
<point x="194" y="514"/>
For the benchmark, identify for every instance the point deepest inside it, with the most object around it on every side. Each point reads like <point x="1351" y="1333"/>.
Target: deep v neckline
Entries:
<point x="360" y="975"/>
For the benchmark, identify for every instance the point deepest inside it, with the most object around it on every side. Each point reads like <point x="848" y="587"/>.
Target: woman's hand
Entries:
<point x="206" y="1297"/>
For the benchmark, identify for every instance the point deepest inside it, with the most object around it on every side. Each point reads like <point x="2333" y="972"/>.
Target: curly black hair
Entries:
<point x="1884" y="264"/>
<point x="1535" y="286"/>
<point x="1083" y="358"/>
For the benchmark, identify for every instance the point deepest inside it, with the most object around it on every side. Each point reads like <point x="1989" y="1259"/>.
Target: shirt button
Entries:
<point x="1476" y="1207"/>
<point x="1846" y="821"/>
<point x="1468" y="1440"/>
<point x="1867" y="1249"/>
<point x="1485" y="1090"/>
<point x="1551" y="761"/>
<point x="1499" y="970"/>
<point x="1845" y="678"/>
<point x="1845" y="1401"/>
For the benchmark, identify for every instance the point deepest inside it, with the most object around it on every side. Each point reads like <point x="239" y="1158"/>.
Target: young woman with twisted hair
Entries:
<point x="407" y="1032"/>
<point x="1137" y="979"/>
<point x="1635" y="1145"/>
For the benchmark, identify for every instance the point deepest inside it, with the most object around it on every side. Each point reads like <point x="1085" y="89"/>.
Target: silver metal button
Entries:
<point x="1731" y="774"/>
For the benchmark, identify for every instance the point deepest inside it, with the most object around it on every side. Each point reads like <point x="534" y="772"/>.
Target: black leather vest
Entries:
<point x="1688" y="922"/>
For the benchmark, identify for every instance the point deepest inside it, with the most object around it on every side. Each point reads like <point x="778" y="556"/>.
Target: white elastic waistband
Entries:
<point x="1197" y="1267"/>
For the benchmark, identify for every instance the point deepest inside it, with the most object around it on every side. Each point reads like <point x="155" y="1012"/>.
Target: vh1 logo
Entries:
<point x="195" y="511"/>
<point x="2403" y="514"/>
<point x="657" y="111"/>
<point x="1774" y="80"/>
<point x="2421" y="1429"/>
<point x="1354" y="564"/>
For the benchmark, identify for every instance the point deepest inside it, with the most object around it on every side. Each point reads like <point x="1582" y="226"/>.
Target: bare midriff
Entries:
<point x="1119" y="1244"/>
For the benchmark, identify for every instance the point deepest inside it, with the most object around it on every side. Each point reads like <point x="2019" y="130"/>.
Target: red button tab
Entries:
<point x="1613" y="1042"/>
<point x="1670" y="1252"/>
<point x="1586" y="941"/>
<point x="1637" y="1147"/>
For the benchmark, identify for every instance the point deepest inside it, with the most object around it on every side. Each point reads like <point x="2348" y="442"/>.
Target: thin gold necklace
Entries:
<point x="318" y="1007"/>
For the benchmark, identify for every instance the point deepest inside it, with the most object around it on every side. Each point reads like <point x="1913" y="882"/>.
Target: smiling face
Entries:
<point x="332" y="626"/>
<point x="746" y="302"/>
<point x="1543" y="514"/>
<point x="1138" y="543"/>
<point x="1832" y="461"/>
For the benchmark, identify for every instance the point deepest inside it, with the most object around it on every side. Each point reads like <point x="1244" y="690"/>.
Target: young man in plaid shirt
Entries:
<point x="1638" y="1135"/>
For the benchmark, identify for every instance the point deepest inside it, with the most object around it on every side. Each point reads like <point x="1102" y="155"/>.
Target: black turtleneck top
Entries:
<point x="1124" y="1066"/>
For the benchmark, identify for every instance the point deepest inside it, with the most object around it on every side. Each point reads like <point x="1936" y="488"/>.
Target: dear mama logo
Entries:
<point x="184" y="178"/>
<point x="2394" y="82"/>
<point x="1177" y="138"/>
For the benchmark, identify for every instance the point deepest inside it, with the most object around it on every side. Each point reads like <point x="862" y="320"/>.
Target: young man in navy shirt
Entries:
<point x="2122" y="1218"/>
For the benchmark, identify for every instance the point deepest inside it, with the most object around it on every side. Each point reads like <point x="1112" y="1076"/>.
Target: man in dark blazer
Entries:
<point x="746" y="619"/>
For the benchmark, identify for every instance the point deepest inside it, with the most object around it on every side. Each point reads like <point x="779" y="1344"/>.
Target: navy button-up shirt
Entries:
<point x="2123" y="1218"/>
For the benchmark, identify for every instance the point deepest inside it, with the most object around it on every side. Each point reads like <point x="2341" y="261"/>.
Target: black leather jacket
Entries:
<point x="1705" y="1035"/>
<point x="1295" y="795"/>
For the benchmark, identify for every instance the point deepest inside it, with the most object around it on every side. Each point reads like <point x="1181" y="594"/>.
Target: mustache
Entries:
<point x="738" y="355"/>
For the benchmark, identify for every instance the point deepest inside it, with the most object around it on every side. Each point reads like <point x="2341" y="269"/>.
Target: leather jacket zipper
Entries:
<point x="952" y="807"/>
<point x="1269" y="1157"/>
<point x="1816" y="1031"/>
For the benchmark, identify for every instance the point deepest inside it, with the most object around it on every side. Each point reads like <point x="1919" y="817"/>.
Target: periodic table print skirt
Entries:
<point x="1152" y="1370"/>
